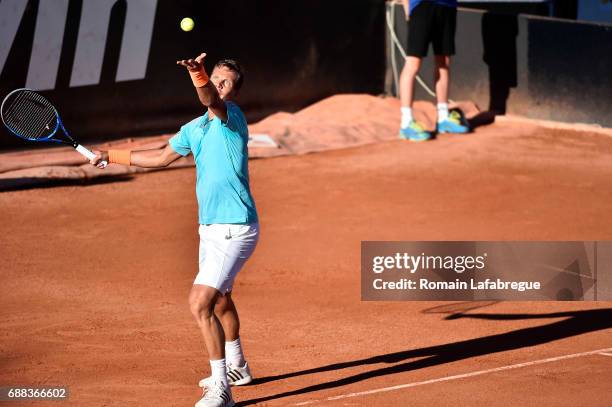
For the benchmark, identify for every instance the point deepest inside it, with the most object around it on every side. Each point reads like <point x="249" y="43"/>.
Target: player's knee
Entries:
<point x="201" y="307"/>
<point x="221" y="305"/>
<point x="224" y="304"/>
<point x="201" y="311"/>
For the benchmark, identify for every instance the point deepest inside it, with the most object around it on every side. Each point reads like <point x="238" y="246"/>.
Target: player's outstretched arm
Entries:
<point x="144" y="159"/>
<point x="207" y="92"/>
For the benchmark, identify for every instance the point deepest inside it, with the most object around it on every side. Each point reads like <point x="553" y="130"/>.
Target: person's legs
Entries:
<point x="238" y="371"/>
<point x="441" y="81"/>
<point x="419" y="37"/>
<point x="409" y="128"/>
<point x="224" y="249"/>
<point x="202" y="300"/>
<point x="442" y="77"/>
<point x="407" y="77"/>
<point x="447" y="123"/>
<point x="226" y="311"/>
<point x="445" y="23"/>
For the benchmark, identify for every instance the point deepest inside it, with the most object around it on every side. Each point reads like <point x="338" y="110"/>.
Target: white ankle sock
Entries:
<point x="219" y="374"/>
<point x="233" y="353"/>
<point x="406" y="116"/>
<point x="442" y="112"/>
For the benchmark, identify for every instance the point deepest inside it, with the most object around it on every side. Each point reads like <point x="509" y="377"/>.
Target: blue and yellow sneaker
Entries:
<point x="414" y="132"/>
<point x="454" y="124"/>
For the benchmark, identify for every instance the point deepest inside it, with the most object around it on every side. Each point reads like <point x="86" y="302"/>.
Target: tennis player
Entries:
<point x="229" y="227"/>
<point x="431" y="21"/>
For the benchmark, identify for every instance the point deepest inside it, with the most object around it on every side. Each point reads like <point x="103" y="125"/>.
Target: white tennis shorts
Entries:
<point x="224" y="248"/>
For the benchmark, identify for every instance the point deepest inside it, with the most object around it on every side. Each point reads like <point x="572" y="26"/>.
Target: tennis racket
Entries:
<point x="30" y="116"/>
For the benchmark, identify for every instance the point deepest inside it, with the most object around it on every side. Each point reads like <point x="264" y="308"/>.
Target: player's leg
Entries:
<point x="444" y="23"/>
<point x="202" y="300"/>
<point x="238" y="372"/>
<point x="418" y="41"/>
<point x="210" y="282"/>
<point x="224" y="249"/>
<point x="226" y="311"/>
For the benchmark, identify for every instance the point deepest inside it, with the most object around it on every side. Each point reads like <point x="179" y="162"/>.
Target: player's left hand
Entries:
<point x="193" y="64"/>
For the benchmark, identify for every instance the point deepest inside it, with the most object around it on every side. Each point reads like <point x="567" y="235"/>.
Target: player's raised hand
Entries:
<point x="195" y="64"/>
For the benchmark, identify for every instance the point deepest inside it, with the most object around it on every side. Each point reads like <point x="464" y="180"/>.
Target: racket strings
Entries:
<point x="22" y="110"/>
<point x="41" y="114"/>
<point x="30" y="115"/>
<point x="25" y="116"/>
<point x="44" y="120"/>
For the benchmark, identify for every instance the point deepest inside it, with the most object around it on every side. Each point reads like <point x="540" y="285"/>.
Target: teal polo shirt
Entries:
<point x="222" y="172"/>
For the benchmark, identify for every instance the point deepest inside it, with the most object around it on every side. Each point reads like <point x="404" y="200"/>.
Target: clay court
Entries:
<point x="95" y="277"/>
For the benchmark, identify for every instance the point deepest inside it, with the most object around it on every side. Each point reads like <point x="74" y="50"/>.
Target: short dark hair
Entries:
<point x="233" y="65"/>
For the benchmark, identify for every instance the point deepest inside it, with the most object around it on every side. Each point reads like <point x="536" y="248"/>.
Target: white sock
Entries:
<point x="442" y="112"/>
<point x="406" y="116"/>
<point x="219" y="374"/>
<point x="233" y="353"/>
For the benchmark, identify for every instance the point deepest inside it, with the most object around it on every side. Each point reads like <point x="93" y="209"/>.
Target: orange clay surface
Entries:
<point x="95" y="279"/>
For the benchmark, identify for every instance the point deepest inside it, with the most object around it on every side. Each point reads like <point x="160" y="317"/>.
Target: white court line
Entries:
<point x="459" y="376"/>
<point x="605" y="354"/>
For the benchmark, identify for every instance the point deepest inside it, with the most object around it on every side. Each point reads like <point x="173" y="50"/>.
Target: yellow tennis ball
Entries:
<point x="187" y="24"/>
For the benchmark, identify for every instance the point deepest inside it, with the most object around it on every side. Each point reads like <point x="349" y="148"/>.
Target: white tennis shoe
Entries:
<point x="236" y="376"/>
<point x="216" y="395"/>
<point x="239" y="376"/>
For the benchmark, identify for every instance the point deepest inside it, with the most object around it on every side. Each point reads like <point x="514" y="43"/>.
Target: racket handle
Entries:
<point x="89" y="154"/>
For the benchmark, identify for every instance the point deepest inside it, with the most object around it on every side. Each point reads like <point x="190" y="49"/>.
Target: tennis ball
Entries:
<point x="187" y="24"/>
